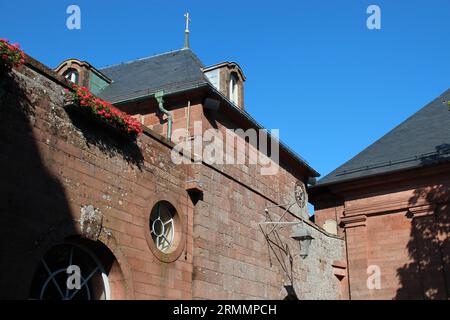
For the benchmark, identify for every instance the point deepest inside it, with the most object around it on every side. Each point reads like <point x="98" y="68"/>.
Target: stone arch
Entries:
<point x="81" y="67"/>
<point x="105" y="250"/>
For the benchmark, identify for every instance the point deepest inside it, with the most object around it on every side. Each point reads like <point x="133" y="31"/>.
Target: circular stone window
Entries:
<point x="165" y="231"/>
<point x="162" y="225"/>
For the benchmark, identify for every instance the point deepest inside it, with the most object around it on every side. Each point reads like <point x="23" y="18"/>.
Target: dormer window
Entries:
<point x="72" y="75"/>
<point x="228" y="79"/>
<point x="234" y="90"/>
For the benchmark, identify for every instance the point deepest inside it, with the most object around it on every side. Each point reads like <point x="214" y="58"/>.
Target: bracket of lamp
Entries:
<point x="299" y="232"/>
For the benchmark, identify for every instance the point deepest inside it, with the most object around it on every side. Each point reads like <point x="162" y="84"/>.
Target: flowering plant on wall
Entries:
<point x="103" y="111"/>
<point x="10" y="54"/>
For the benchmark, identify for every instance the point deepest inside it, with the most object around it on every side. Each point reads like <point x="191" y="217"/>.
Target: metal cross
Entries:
<point x="186" y="15"/>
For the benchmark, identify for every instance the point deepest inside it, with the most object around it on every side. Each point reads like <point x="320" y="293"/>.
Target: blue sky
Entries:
<point x="313" y="68"/>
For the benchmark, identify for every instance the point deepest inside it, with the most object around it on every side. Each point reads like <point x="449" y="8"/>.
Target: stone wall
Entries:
<point x="232" y="258"/>
<point x="55" y="163"/>
<point x="397" y="225"/>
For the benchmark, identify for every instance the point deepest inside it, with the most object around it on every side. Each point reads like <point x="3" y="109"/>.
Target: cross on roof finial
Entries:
<point x="186" y="15"/>
<point x="186" y="32"/>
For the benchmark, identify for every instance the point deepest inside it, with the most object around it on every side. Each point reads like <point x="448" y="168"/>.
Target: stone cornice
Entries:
<point x="390" y="207"/>
<point x="360" y="220"/>
<point x="353" y="221"/>
<point x="377" y="208"/>
<point x="421" y="211"/>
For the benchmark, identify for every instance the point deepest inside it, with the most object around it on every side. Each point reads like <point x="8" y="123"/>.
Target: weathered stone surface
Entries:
<point x="91" y="221"/>
<point x="55" y="163"/>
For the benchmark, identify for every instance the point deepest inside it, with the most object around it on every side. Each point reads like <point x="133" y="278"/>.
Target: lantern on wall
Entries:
<point x="304" y="238"/>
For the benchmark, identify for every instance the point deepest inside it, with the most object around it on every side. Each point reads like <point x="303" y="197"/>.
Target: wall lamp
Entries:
<point x="304" y="238"/>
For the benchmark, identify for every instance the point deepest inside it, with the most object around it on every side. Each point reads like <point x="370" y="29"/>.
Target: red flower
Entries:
<point x="11" y="54"/>
<point x="105" y="111"/>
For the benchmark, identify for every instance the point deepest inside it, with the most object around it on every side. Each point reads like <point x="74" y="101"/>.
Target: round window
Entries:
<point x="166" y="236"/>
<point x="162" y="226"/>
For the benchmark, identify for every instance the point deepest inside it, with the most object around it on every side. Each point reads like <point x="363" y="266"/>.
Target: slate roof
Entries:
<point x="171" y="72"/>
<point x="421" y="140"/>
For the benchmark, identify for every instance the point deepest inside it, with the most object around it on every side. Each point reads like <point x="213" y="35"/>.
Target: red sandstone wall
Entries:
<point x="232" y="259"/>
<point x="149" y="114"/>
<point x="55" y="162"/>
<point x="51" y="168"/>
<point x="402" y="227"/>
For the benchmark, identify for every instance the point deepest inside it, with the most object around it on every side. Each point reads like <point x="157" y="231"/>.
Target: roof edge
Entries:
<point x="337" y="170"/>
<point x="208" y="85"/>
<point x="374" y="175"/>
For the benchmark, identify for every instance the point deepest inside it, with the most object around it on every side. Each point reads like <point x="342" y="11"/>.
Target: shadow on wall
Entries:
<point x="33" y="202"/>
<point x="107" y="140"/>
<point x="34" y="210"/>
<point x="427" y="275"/>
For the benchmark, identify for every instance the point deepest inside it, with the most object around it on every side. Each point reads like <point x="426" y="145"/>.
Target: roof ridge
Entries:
<point x="150" y="57"/>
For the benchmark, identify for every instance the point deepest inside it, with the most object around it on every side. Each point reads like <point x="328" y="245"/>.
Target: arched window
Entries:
<point x="56" y="275"/>
<point x="234" y="90"/>
<point x="72" y="75"/>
